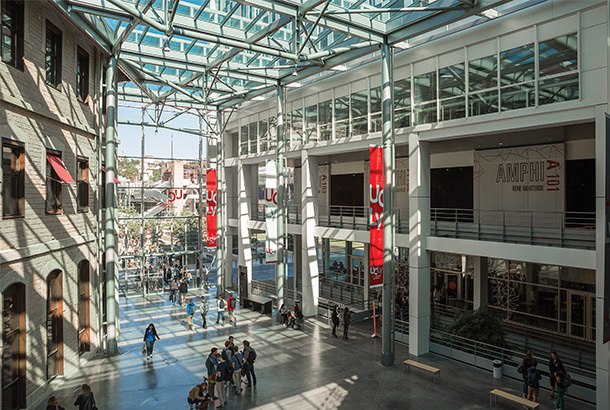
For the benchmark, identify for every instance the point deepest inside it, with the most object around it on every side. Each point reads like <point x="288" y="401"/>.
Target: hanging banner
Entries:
<point x="211" y="196"/>
<point x="271" y="211"/>
<point x="376" y="223"/>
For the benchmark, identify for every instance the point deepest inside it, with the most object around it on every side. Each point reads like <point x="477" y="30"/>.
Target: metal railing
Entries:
<point x="357" y="217"/>
<point x="562" y="229"/>
<point x="293" y="213"/>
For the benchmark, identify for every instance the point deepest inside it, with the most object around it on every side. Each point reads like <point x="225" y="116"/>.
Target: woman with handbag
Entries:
<point x="149" y="340"/>
<point x="85" y="400"/>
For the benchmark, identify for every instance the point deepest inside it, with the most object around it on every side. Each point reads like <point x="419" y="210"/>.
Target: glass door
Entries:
<point x="581" y="315"/>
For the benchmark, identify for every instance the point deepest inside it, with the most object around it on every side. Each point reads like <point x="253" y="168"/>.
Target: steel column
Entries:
<point x="142" y="228"/>
<point x="200" y="207"/>
<point x="220" y="229"/>
<point x="281" y="206"/>
<point x="387" y="352"/>
<point x="111" y="252"/>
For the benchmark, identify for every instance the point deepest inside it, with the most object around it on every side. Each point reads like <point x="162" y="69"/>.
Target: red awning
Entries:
<point x="116" y="181"/>
<point x="60" y="169"/>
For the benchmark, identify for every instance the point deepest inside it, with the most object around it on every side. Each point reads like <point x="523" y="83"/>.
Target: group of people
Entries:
<point x="225" y="369"/>
<point x="84" y="401"/>
<point x="558" y="377"/>
<point x="291" y="319"/>
<point x="341" y="317"/>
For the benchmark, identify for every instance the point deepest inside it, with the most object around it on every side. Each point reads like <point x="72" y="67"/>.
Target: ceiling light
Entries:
<point x="490" y="13"/>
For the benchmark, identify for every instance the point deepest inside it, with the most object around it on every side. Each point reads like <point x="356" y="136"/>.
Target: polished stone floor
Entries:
<point x="295" y="369"/>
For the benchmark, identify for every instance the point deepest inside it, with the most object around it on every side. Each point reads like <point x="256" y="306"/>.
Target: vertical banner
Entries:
<point x="606" y="334"/>
<point x="210" y="196"/>
<point x="376" y="224"/>
<point x="271" y="211"/>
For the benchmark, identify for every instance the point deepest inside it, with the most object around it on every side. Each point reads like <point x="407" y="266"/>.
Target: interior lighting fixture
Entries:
<point x="490" y="13"/>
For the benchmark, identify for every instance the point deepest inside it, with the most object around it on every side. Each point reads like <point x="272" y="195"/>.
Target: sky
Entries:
<point x="158" y="144"/>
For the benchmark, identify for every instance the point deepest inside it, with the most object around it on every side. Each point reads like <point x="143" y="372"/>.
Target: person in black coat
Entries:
<point x="52" y="404"/>
<point x="335" y="320"/>
<point x="555" y="366"/>
<point x="85" y="400"/>
<point x="347" y="319"/>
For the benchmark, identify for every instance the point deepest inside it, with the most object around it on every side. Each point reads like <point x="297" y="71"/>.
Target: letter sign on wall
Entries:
<point x="211" y="196"/>
<point x="271" y="211"/>
<point x="376" y="222"/>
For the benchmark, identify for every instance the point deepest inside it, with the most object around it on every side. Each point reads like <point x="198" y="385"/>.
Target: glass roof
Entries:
<point x="218" y="53"/>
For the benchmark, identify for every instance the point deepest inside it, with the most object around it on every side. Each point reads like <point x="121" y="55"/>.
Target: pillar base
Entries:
<point x="387" y="358"/>
<point x="112" y="347"/>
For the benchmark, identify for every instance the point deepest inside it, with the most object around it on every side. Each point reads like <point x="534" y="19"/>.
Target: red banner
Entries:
<point x="210" y="196"/>
<point x="376" y="224"/>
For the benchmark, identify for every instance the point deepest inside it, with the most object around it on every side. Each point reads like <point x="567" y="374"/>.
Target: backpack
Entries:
<point x="222" y="304"/>
<point x="532" y="378"/>
<point x="566" y="380"/>
<point x="228" y="372"/>
<point x="191" y="309"/>
<point x="224" y="355"/>
<point x="231" y="302"/>
<point x="251" y="356"/>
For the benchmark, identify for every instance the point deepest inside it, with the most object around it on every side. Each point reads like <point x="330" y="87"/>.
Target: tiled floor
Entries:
<point x="295" y="369"/>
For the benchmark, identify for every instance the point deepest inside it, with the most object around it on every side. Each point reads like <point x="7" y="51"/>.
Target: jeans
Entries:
<point x="205" y="324"/>
<point x="221" y="314"/>
<point x="560" y="402"/>
<point x="149" y="347"/>
<point x="250" y="373"/>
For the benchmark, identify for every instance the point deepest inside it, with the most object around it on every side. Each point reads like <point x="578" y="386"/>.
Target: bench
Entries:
<point x="495" y="393"/>
<point x="256" y="302"/>
<point x="422" y="366"/>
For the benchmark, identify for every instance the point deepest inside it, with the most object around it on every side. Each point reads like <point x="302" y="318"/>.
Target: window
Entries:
<point x="82" y="194"/>
<point x="53" y="55"/>
<point x="376" y="109"/>
<point x="517" y="73"/>
<point x="311" y="123"/>
<point x="558" y="69"/>
<point x="13" y="179"/>
<point x="83" y="307"/>
<point x="243" y="140"/>
<point x="360" y="112"/>
<point x="56" y="175"/>
<point x="402" y="103"/>
<point x="452" y="89"/>
<point x="424" y="95"/>
<point x="82" y="75"/>
<point x="325" y="117"/>
<point x="263" y="135"/>
<point x="341" y="116"/>
<point x="296" y="128"/>
<point x="55" y="348"/>
<point x="12" y="33"/>
<point x="253" y="134"/>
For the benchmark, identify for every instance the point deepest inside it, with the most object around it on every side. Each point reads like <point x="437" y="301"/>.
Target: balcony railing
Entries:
<point x="357" y="217"/>
<point x="257" y="213"/>
<point x="561" y="229"/>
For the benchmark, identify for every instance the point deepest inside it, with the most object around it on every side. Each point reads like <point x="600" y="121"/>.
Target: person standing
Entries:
<point x="227" y="356"/>
<point x="85" y="400"/>
<point x="284" y="313"/>
<point x="53" y="404"/>
<point x="444" y="294"/>
<point x="523" y="369"/>
<point x="149" y="339"/>
<point x="237" y="361"/>
<point x="221" y="310"/>
<point x="210" y="365"/>
<point x="563" y="382"/>
<point x="204" y="309"/>
<point x="533" y="382"/>
<point x="190" y="312"/>
<point x="173" y="291"/>
<point x="221" y="373"/>
<point x="231" y="305"/>
<point x="183" y="291"/>
<point x="206" y="277"/>
<point x="347" y="319"/>
<point x="248" y="363"/>
<point x="335" y="320"/>
<point x="555" y="365"/>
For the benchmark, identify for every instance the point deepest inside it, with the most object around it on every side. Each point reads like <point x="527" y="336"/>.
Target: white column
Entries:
<point x="480" y="282"/>
<point x="243" y="219"/>
<point x="602" y="355"/>
<point x="309" y="258"/>
<point x="419" y="258"/>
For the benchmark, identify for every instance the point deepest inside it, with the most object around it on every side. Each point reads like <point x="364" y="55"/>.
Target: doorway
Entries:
<point x="55" y="342"/>
<point x="581" y="314"/>
<point x="13" y="347"/>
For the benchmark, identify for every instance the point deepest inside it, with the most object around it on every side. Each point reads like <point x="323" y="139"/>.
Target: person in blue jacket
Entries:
<point x="149" y="339"/>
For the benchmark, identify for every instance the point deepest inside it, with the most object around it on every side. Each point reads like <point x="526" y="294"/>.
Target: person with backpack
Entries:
<point x="523" y="368"/>
<point x="222" y="372"/>
<point x="335" y="320"/>
<point x="563" y="382"/>
<point x="555" y="365"/>
<point x="533" y="382"/>
<point x="190" y="312"/>
<point x="173" y="291"/>
<point x="210" y="364"/>
<point x="248" y="364"/>
<point x="236" y="362"/>
<point x="227" y="355"/>
<point x="204" y="309"/>
<point x="231" y="305"/>
<point x="221" y="310"/>
<point x="183" y="291"/>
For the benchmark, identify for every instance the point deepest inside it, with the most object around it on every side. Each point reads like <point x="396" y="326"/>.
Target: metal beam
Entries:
<point x="129" y="29"/>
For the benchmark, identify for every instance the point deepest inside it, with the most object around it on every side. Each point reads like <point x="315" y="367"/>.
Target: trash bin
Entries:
<point x="497" y="368"/>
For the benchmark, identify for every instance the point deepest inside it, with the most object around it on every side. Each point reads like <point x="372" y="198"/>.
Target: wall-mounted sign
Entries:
<point x="211" y="200"/>
<point x="376" y="223"/>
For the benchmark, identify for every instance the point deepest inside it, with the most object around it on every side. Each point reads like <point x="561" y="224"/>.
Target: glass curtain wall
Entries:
<point x="325" y="118"/>
<point x="359" y="111"/>
<point x="341" y="116"/>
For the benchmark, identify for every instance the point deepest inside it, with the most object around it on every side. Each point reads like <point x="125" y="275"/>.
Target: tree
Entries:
<point x="157" y="174"/>
<point x="480" y="325"/>
<point x="128" y="168"/>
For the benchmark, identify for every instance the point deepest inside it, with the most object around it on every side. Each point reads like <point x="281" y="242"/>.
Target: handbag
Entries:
<point x="144" y="350"/>
<point x="243" y="371"/>
<point x="171" y="297"/>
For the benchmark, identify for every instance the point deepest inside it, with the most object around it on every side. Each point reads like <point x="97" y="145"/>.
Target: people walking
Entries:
<point x="173" y="291"/>
<point x="150" y="334"/>
<point x="236" y="362"/>
<point x="53" y="404"/>
<point x="85" y="400"/>
<point x="248" y="363"/>
<point x="190" y="312"/>
<point x="183" y="291"/>
<point x="523" y="369"/>
<point x="231" y="305"/>
<point x="221" y="310"/>
<point x="346" y="317"/>
<point x="335" y="319"/>
<point x="204" y="309"/>
<point x="555" y="365"/>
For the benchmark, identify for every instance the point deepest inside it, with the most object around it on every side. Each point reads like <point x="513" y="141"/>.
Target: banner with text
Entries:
<point x="526" y="182"/>
<point x="211" y="202"/>
<point x="376" y="223"/>
<point x="271" y="211"/>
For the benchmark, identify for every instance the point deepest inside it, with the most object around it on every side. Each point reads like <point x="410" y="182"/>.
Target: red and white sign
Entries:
<point x="148" y="233"/>
<point x="376" y="223"/>
<point x="271" y="211"/>
<point x="211" y="196"/>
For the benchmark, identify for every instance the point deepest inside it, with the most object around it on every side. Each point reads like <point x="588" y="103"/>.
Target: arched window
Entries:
<point x="13" y="347"/>
<point x="83" y="307"/>
<point x="55" y="342"/>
